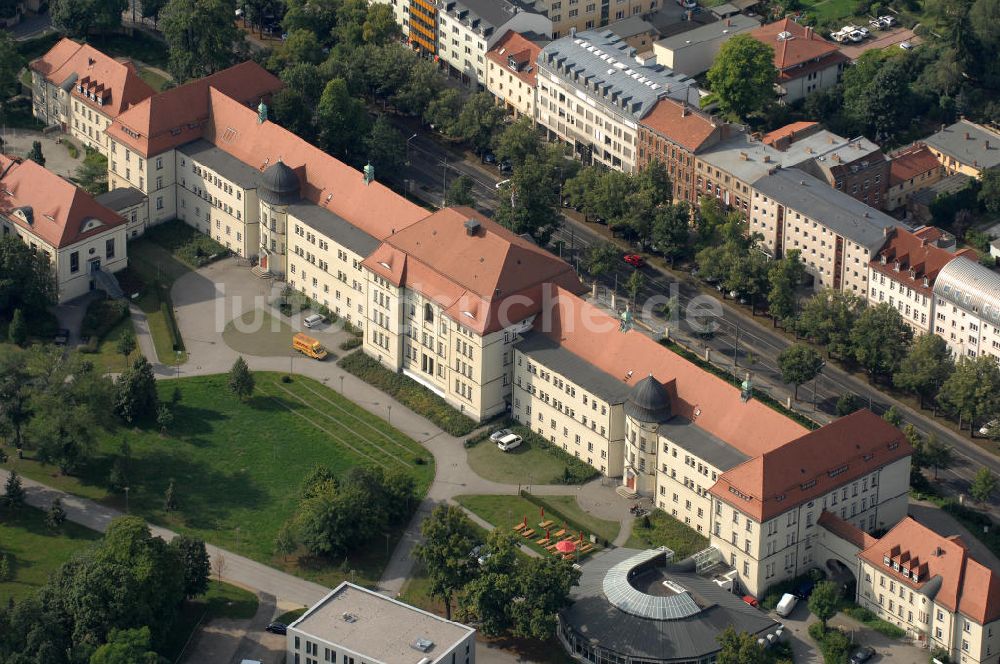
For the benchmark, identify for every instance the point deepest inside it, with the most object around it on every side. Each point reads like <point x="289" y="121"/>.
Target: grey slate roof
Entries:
<point x="970" y="286"/>
<point x="841" y="213"/>
<point x="334" y="227"/>
<point x="648" y="401"/>
<point x="603" y="66"/>
<point x="701" y="443"/>
<point x="221" y="162"/>
<point x="492" y="14"/>
<point x="121" y="198"/>
<point x="683" y="639"/>
<point x="738" y="23"/>
<point x="546" y="351"/>
<point x="952" y="142"/>
<point x="631" y="26"/>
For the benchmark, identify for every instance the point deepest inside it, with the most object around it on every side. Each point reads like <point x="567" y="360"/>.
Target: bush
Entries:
<point x="175" y="334"/>
<point x="869" y="618"/>
<point x="410" y="393"/>
<point x="940" y="654"/>
<point x="774" y="592"/>
<point x="183" y="241"/>
<point x="286" y="379"/>
<point x="575" y="471"/>
<point x="351" y="343"/>
<point x="101" y="317"/>
<point x="474" y="440"/>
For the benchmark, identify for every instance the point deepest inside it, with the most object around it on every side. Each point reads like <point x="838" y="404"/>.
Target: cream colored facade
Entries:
<point x="967" y="308"/>
<point x="74" y="264"/>
<point x="784" y="547"/>
<point x="83" y="120"/>
<point x="581" y="15"/>
<point x="515" y="94"/>
<point x="916" y="308"/>
<point x="967" y="333"/>
<point x="683" y="480"/>
<point x="966" y="640"/>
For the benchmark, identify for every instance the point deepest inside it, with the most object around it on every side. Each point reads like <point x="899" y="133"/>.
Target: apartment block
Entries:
<point x="965" y="147"/>
<point x="511" y="73"/>
<point x="354" y="625"/>
<point x="579" y="15"/>
<point x="467" y="29"/>
<point x="81" y="90"/>
<point x="806" y="62"/>
<point x="911" y="169"/>
<point x="905" y="269"/>
<point x="84" y="240"/>
<point x="967" y="308"/>
<point x="417" y="20"/>
<point x="593" y="92"/>
<point x="835" y="234"/>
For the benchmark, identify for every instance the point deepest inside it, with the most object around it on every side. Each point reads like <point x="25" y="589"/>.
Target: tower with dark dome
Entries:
<point x="277" y="187"/>
<point x="646" y="407"/>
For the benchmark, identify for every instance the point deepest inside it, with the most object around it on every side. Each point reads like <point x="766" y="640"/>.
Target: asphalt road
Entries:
<point x="432" y="166"/>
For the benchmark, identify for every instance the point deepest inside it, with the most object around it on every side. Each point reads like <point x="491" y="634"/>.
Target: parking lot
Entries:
<point x="880" y="39"/>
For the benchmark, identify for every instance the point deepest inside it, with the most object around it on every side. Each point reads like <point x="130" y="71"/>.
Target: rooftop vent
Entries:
<point x="472" y="226"/>
<point x="785" y="35"/>
<point x="349" y="617"/>
<point x="423" y="645"/>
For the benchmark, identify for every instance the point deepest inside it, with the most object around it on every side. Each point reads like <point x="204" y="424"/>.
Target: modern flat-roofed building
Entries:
<point x="355" y="625"/>
<point x="967" y="308"/>
<point x="966" y="147"/>
<point x="467" y="29"/>
<point x="82" y="90"/>
<point x="84" y="240"/>
<point x="806" y="62"/>
<point x="836" y="235"/>
<point x="693" y="52"/>
<point x="905" y="269"/>
<point x="593" y="92"/>
<point x="512" y="73"/>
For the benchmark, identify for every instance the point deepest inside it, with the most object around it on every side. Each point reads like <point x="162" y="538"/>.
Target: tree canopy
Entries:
<point x="742" y="77"/>
<point x="447" y="552"/>
<point x="201" y="35"/>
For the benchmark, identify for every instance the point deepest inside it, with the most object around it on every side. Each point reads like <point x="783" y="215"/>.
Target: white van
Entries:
<point x="787" y="603"/>
<point x="313" y="320"/>
<point x="509" y="442"/>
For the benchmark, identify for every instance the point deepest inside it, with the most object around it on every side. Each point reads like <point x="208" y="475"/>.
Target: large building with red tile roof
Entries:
<point x="806" y="62"/>
<point x="928" y="583"/>
<point x="82" y="90"/>
<point x="83" y="239"/>
<point x="904" y="271"/>
<point x="703" y="450"/>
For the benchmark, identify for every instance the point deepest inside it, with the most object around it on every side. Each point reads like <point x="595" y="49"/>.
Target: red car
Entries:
<point x="635" y="260"/>
<point x="751" y="600"/>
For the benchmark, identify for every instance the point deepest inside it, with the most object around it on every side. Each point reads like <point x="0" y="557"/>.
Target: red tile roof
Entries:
<point x="485" y="280"/>
<point x="846" y="531"/>
<point x="117" y="83"/>
<point x="917" y="256"/>
<point x="710" y="402"/>
<point x="374" y="208"/>
<point x="784" y="136"/>
<point x="966" y="585"/>
<point x="523" y="50"/>
<point x="812" y="465"/>
<point x="911" y="162"/>
<point x="177" y="116"/>
<point x="679" y="123"/>
<point x="58" y="210"/>
<point x="802" y="45"/>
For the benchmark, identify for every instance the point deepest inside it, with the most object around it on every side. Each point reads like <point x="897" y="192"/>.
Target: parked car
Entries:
<point x="490" y="158"/>
<point x="786" y="604"/>
<point x="62" y="337"/>
<point x="905" y="45"/>
<point x="276" y="628"/>
<point x="875" y="24"/>
<point x="506" y="167"/>
<point x="751" y="600"/>
<point x="497" y="435"/>
<point x="862" y="655"/>
<point x="887" y="21"/>
<point x="635" y="260"/>
<point x="314" y="320"/>
<point x="985" y="429"/>
<point x="805" y="589"/>
<point x="509" y="442"/>
<point x="856" y="36"/>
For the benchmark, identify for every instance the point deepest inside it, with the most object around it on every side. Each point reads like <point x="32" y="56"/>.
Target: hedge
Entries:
<point x="556" y="515"/>
<point x="575" y="471"/>
<point x="175" y="335"/>
<point x="409" y="392"/>
<point x="869" y="618"/>
<point x="351" y="343"/>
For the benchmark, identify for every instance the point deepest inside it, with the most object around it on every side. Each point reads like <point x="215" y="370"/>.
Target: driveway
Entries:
<point x="880" y="40"/>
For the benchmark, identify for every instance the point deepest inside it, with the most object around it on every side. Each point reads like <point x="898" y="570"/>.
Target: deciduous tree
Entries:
<point x="742" y="76"/>
<point x="984" y="484"/>
<point x="926" y="367"/>
<point x="35" y="154"/>
<point x="135" y="392"/>
<point x="127" y="646"/>
<point x="341" y="119"/>
<point x="519" y="140"/>
<point x="827" y="319"/>
<point x="78" y="18"/>
<point x="55" y="517"/>
<point x="783" y="278"/>
<point x="739" y="648"/>
<point x="799" y="364"/>
<point x="937" y="455"/>
<point x="880" y="339"/>
<point x="195" y="563"/>
<point x="201" y="35"/>
<point x="460" y="191"/>
<point x="126" y="344"/>
<point x="972" y="391"/>
<point x="18" y="330"/>
<point x="446" y="552"/>
<point x="823" y="601"/>
<point x="386" y="147"/>
<point x="529" y="204"/>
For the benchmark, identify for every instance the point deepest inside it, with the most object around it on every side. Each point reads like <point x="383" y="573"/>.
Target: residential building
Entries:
<point x="355" y="625"/>
<point x="701" y="449"/>
<point x="928" y="584"/>
<point x="637" y="32"/>
<point x="593" y="92"/>
<point x="417" y="20"/>
<point x="84" y="241"/>
<point x="81" y="90"/>
<point x="511" y="73"/>
<point x="674" y="133"/>
<point x="967" y="308"/>
<point x="836" y="235"/>
<point x="911" y="169"/>
<point x="965" y="147"/>
<point x="903" y="272"/>
<point x="570" y="15"/>
<point x="693" y="52"/>
<point x="447" y="297"/>
<point x="806" y="62"/>
<point x="467" y="29"/>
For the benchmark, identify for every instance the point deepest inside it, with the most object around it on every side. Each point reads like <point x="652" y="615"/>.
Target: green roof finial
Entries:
<point x="261" y="112"/>
<point x="369" y="173"/>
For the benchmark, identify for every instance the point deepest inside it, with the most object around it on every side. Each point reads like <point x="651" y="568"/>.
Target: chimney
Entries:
<point x="744" y="156"/>
<point x="729" y="22"/>
<point x="987" y="144"/>
<point x="966" y="135"/>
<point x="684" y="110"/>
<point x="809" y="32"/>
<point x="767" y="159"/>
<point x="835" y="157"/>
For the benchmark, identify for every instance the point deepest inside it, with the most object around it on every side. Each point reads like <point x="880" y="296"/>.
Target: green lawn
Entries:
<point x="666" y="531"/>
<point x="221" y="601"/>
<point x="506" y="511"/>
<point x="238" y="466"/>
<point x="155" y="80"/>
<point x="830" y="10"/>
<point x="138" y="46"/>
<point x="535" y="461"/>
<point x="154" y="265"/>
<point x="36" y="549"/>
<point x="107" y="358"/>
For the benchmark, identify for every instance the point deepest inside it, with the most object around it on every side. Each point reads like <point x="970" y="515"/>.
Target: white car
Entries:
<point x="875" y="24"/>
<point x="887" y="21"/>
<point x="856" y="36"/>
<point x="509" y="442"/>
<point x="314" y="320"/>
<point x="985" y="429"/>
<point x="502" y="183"/>
<point x="497" y="435"/>
<point x="905" y="45"/>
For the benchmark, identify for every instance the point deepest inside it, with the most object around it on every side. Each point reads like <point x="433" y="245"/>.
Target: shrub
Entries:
<point x="183" y="241"/>
<point x="817" y="632"/>
<point x="475" y="439"/>
<point x="410" y="393"/>
<point x="351" y="343"/>
<point x="168" y="317"/>
<point x="101" y="317"/>
<point x="286" y="379"/>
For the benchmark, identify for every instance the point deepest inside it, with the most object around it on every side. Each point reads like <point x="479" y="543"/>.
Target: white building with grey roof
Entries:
<point x="967" y="308"/>
<point x="354" y="625"/>
<point x="593" y="91"/>
<point x="467" y="29"/>
<point x="694" y="51"/>
<point x="835" y="234"/>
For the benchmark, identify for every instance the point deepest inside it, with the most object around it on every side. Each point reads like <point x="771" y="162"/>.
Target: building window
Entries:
<point x="109" y="248"/>
<point x="74" y="261"/>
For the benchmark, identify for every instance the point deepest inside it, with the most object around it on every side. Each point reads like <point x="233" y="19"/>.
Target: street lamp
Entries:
<point x="408" y="148"/>
<point x="388" y="417"/>
<point x="341" y="385"/>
